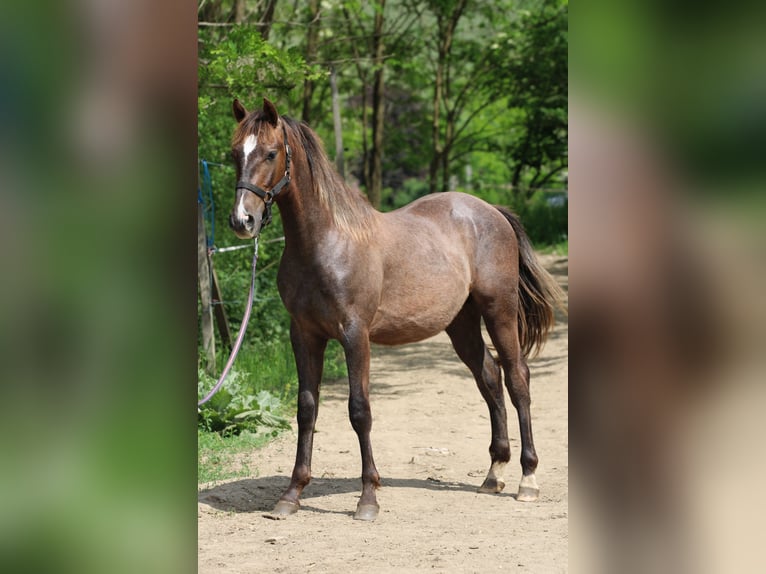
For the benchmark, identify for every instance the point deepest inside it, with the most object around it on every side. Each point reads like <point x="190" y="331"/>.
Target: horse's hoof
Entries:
<point x="527" y="494"/>
<point x="492" y="486"/>
<point x="528" y="489"/>
<point x="367" y="512"/>
<point x="284" y="508"/>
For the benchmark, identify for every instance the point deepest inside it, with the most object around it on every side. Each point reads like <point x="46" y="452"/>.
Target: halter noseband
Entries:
<point x="268" y="196"/>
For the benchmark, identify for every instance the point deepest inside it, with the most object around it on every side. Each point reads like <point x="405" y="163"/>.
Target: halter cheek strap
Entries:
<point x="268" y="196"/>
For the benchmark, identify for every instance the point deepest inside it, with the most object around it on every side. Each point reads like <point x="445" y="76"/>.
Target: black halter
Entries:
<point x="268" y="196"/>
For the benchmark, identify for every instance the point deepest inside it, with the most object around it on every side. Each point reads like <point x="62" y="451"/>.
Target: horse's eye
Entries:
<point x="271" y="155"/>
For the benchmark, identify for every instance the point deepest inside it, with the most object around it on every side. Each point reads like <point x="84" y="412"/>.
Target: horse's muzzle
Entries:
<point x="245" y="220"/>
<point x="245" y="227"/>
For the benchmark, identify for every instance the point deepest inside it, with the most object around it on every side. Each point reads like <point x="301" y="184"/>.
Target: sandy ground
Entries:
<point x="430" y="438"/>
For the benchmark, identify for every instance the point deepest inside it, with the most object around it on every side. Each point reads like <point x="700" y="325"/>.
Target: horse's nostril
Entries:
<point x="250" y="221"/>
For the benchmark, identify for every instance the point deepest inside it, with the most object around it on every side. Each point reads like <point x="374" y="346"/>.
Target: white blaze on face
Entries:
<point x="248" y="147"/>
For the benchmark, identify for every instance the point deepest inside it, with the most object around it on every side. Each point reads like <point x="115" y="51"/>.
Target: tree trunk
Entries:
<point x="362" y="73"/>
<point x="365" y="143"/>
<point x="433" y="170"/>
<point x="449" y="136"/>
<point x="238" y="11"/>
<point x="312" y="42"/>
<point x="446" y="25"/>
<point x="211" y="12"/>
<point x="265" y="22"/>
<point x="522" y="161"/>
<point x="378" y="108"/>
<point x="336" y="123"/>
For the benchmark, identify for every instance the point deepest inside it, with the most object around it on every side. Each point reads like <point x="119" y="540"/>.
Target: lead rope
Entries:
<point x="240" y="335"/>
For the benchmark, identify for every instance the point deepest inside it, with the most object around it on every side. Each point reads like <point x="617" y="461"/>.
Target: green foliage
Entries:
<point x="243" y="64"/>
<point x="544" y="216"/>
<point x="535" y="81"/>
<point x="411" y="189"/>
<point x="561" y="248"/>
<point x="236" y="408"/>
<point x="334" y="362"/>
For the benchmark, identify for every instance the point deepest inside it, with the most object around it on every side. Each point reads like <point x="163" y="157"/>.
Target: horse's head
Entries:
<point x="262" y="156"/>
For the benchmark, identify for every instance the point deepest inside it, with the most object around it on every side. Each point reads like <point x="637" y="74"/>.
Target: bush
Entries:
<point x="237" y="408"/>
<point x="545" y="218"/>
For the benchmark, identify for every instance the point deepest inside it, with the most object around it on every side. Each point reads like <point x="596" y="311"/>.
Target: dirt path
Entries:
<point x="430" y="438"/>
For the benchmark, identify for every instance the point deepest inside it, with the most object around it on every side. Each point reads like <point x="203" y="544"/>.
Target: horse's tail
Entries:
<point x="539" y="293"/>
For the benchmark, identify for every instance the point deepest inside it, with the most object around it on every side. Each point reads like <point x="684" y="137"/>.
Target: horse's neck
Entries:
<point x="308" y="220"/>
<point x="303" y="220"/>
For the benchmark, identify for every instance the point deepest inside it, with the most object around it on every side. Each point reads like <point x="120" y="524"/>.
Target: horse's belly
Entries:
<point x="399" y="333"/>
<point x="399" y="324"/>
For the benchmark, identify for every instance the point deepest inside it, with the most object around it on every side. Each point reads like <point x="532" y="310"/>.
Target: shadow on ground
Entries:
<point x="261" y="494"/>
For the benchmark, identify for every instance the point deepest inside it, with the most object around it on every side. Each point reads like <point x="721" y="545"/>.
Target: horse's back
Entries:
<point x="461" y="226"/>
<point x="434" y="203"/>
<point x="453" y="211"/>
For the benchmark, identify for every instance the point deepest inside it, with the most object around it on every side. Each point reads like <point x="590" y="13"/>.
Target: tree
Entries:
<point x="447" y="14"/>
<point x="378" y="108"/>
<point x="356" y="17"/>
<point x="536" y="77"/>
<point x="472" y="78"/>
<point x="312" y="40"/>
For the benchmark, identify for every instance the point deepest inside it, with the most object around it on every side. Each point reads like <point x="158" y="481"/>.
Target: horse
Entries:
<point x="359" y="276"/>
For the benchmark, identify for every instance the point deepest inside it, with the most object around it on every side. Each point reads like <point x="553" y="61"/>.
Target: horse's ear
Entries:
<point x="239" y="110"/>
<point x="270" y="113"/>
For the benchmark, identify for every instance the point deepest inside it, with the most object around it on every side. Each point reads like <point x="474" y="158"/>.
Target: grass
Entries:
<point x="219" y="457"/>
<point x="560" y="248"/>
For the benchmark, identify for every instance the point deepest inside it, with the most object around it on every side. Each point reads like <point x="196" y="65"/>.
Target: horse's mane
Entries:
<point x="350" y="210"/>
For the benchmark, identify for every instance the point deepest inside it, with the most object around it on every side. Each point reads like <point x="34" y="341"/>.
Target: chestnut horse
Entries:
<point x="351" y="273"/>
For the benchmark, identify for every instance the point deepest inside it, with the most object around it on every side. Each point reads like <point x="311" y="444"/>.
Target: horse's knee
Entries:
<point x="306" y="409"/>
<point x="359" y="413"/>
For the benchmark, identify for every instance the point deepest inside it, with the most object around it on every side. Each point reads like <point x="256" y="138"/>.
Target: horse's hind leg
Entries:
<point x="503" y="330"/>
<point x="465" y="333"/>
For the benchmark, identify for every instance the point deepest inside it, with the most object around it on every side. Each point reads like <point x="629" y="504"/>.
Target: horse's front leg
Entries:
<point x="356" y="344"/>
<point x="309" y="359"/>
